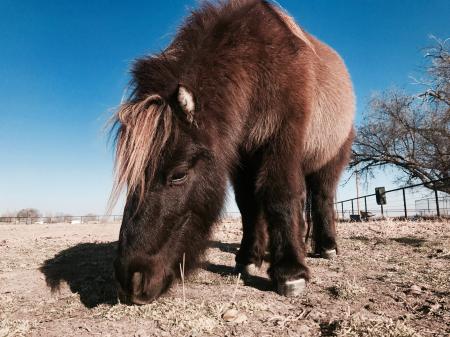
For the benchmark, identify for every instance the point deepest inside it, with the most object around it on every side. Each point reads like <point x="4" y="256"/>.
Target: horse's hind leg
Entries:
<point x="254" y="239"/>
<point x="322" y="185"/>
<point x="305" y="219"/>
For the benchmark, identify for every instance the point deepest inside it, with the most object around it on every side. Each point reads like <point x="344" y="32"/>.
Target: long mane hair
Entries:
<point x="143" y="129"/>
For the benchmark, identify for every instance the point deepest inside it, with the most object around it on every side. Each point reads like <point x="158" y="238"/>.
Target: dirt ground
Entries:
<point x="391" y="279"/>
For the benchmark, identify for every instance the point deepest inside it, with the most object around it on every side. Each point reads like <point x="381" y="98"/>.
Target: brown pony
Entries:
<point x="242" y="93"/>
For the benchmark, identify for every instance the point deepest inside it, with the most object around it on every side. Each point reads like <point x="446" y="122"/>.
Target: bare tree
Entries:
<point x="29" y="213"/>
<point x="410" y="132"/>
<point x="437" y="80"/>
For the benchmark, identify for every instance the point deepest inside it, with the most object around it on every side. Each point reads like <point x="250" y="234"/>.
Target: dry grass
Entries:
<point x="371" y="279"/>
<point x="362" y="327"/>
<point x="190" y="317"/>
<point x="168" y="314"/>
<point x="347" y="290"/>
<point x="14" y="327"/>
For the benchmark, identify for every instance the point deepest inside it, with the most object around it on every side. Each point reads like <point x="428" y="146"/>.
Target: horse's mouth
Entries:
<point x="127" y="299"/>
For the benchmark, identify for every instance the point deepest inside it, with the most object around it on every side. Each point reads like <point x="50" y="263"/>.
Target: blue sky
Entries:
<point x="63" y="69"/>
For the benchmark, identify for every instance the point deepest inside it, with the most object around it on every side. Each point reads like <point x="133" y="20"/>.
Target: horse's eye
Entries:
<point x="178" y="177"/>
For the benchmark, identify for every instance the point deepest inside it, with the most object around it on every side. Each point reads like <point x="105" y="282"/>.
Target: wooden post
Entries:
<point x="438" y="211"/>
<point x="404" y="204"/>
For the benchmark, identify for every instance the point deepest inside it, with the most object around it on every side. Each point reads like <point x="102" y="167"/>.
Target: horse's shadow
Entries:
<point x="225" y="247"/>
<point x="257" y="282"/>
<point x="87" y="268"/>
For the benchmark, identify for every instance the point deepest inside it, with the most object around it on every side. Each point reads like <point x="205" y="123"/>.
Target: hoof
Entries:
<point x="292" y="288"/>
<point x="328" y="254"/>
<point x="246" y="269"/>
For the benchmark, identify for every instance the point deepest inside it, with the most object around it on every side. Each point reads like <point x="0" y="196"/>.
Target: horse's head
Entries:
<point x="175" y="187"/>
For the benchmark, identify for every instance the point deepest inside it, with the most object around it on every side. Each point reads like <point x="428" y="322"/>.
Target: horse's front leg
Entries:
<point x="281" y="189"/>
<point x="254" y="240"/>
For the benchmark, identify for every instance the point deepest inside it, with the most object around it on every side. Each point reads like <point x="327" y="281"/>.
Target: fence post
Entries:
<point x="438" y="211"/>
<point x="382" y="211"/>
<point x="336" y="209"/>
<point x="365" y="204"/>
<point x="342" y="207"/>
<point x="404" y="204"/>
<point x="353" y="212"/>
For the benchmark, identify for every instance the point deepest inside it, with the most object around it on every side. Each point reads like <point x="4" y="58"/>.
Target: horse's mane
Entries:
<point x="292" y="26"/>
<point x="143" y="130"/>
<point x="214" y="13"/>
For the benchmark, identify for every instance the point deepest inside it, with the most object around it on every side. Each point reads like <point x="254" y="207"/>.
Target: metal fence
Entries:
<point x="427" y="207"/>
<point x="81" y="219"/>
<point x="84" y="219"/>
<point x="420" y="200"/>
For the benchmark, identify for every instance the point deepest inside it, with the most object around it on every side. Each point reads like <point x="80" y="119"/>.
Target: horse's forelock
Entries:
<point x="143" y="130"/>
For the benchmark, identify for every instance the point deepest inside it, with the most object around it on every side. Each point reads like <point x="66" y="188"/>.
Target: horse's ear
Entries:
<point x="187" y="103"/>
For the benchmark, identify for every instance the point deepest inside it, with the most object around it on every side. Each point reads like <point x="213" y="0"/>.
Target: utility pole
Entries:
<point x="357" y="190"/>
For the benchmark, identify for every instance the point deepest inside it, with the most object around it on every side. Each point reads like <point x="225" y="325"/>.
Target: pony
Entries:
<point x="241" y="94"/>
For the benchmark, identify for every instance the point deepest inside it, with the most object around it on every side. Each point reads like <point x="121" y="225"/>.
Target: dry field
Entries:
<point x="391" y="279"/>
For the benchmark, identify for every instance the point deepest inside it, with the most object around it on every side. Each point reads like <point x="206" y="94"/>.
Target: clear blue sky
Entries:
<point x="63" y="68"/>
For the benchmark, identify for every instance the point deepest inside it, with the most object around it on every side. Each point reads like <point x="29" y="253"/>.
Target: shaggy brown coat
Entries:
<point x="266" y="104"/>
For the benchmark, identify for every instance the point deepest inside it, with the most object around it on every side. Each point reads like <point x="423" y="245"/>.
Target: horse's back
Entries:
<point x="332" y="108"/>
<point x="320" y="93"/>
